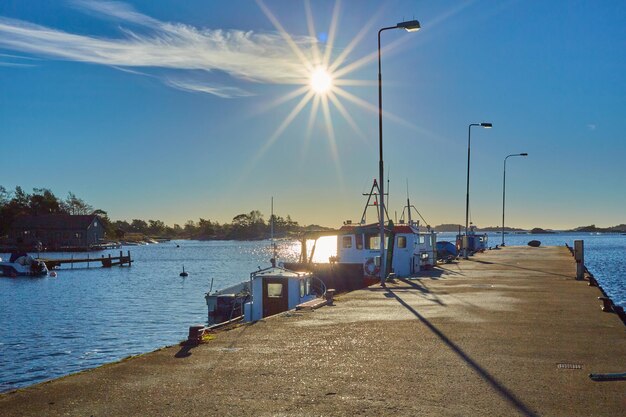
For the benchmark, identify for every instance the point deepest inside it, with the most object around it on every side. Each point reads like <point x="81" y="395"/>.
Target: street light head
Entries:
<point x="523" y="154"/>
<point x="409" y="26"/>
<point x="486" y="125"/>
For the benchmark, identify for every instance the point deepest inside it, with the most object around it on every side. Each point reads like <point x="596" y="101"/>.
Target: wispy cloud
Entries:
<point x="7" y="60"/>
<point x="591" y="126"/>
<point x="199" y="86"/>
<point x="244" y="55"/>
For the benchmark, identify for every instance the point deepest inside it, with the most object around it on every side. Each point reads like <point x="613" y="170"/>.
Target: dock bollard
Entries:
<point x="195" y="334"/>
<point x="579" y="256"/>
<point x="330" y="296"/>
<point x="592" y="281"/>
<point x="607" y="304"/>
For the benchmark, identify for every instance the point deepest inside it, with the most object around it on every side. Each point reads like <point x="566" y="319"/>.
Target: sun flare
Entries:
<point x="321" y="81"/>
<point x="323" y="86"/>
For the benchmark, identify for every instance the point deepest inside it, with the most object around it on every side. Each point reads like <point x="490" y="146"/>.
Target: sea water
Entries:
<point x="84" y="318"/>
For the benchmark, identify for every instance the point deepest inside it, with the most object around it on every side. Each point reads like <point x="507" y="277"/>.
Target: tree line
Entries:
<point x="42" y="201"/>
<point x="246" y="226"/>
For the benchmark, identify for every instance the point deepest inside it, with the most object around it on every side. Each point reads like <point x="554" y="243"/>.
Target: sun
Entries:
<point x="321" y="81"/>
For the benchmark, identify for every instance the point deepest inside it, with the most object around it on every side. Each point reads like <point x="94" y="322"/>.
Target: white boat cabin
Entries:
<point x="413" y="250"/>
<point x="275" y="290"/>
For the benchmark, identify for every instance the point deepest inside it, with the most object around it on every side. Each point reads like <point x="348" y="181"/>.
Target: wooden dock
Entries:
<point x="510" y="332"/>
<point x="103" y="261"/>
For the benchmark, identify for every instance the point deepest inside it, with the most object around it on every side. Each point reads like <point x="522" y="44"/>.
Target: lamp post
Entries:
<point x="409" y="26"/>
<point x="469" y="133"/>
<point x="504" y="188"/>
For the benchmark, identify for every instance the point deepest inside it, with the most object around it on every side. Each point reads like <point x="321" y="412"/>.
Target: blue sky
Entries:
<point x="178" y="110"/>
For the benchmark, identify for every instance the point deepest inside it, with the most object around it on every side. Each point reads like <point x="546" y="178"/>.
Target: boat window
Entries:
<point x="422" y="239"/>
<point x="401" y="241"/>
<point x="308" y="286"/>
<point x="359" y="241"/>
<point x="347" y="241"/>
<point x="302" y="288"/>
<point x="274" y="290"/>
<point x="372" y="242"/>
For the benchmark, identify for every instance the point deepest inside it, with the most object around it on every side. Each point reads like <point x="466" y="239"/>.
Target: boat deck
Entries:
<point x="507" y="333"/>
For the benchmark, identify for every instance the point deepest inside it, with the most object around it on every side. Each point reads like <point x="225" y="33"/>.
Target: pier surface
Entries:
<point x="508" y="333"/>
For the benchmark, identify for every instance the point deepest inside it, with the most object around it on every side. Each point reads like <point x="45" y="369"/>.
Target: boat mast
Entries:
<point x="374" y="193"/>
<point x="408" y="203"/>
<point x="408" y="208"/>
<point x="274" y="254"/>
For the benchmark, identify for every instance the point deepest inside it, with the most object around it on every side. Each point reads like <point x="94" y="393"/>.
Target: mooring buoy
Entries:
<point x="183" y="274"/>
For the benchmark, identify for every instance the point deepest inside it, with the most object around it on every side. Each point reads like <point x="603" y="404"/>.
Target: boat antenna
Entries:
<point x="408" y="207"/>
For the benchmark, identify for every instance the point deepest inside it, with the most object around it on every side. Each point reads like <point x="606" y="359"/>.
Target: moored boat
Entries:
<point x="23" y="265"/>
<point x="476" y="242"/>
<point x="409" y="249"/>
<point x="268" y="291"/>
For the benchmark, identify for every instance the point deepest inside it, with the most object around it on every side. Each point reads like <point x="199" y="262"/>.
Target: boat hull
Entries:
<point x="15" y="269"/>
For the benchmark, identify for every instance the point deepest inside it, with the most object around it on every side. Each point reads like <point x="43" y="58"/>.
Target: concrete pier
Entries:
<point x="510" y="332"/>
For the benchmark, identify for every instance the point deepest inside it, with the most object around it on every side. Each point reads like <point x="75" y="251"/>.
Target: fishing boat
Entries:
<point x="267" y="292"/>
<point x="410" y="248"/>
<point x="23" y="265"/>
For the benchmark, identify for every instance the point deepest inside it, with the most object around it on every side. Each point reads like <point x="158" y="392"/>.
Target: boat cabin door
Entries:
<point x="275" y="296"/>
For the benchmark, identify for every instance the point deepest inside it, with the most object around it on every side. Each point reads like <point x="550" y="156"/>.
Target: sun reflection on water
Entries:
<point x="289" y="250"/>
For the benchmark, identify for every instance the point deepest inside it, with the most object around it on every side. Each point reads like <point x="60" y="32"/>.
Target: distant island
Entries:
<point x="621" y="228"/>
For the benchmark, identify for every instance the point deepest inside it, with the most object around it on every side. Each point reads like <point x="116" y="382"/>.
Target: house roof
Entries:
<point x="54" y="222"/>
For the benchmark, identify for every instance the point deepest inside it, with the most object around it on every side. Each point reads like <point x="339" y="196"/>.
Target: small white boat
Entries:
<point x="268" y="292"/>
<point x="23" y="266"/>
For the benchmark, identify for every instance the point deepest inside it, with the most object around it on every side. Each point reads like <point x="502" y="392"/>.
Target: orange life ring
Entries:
<point x="371" y="268"/>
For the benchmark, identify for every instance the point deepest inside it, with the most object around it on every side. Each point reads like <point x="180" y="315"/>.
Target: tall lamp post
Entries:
<point x="504" y="188"/>
<point x="469" y="133"/>
<point x="409" y="26"/>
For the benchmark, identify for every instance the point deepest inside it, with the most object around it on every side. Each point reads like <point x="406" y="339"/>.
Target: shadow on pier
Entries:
<point x="486" y="376"/>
